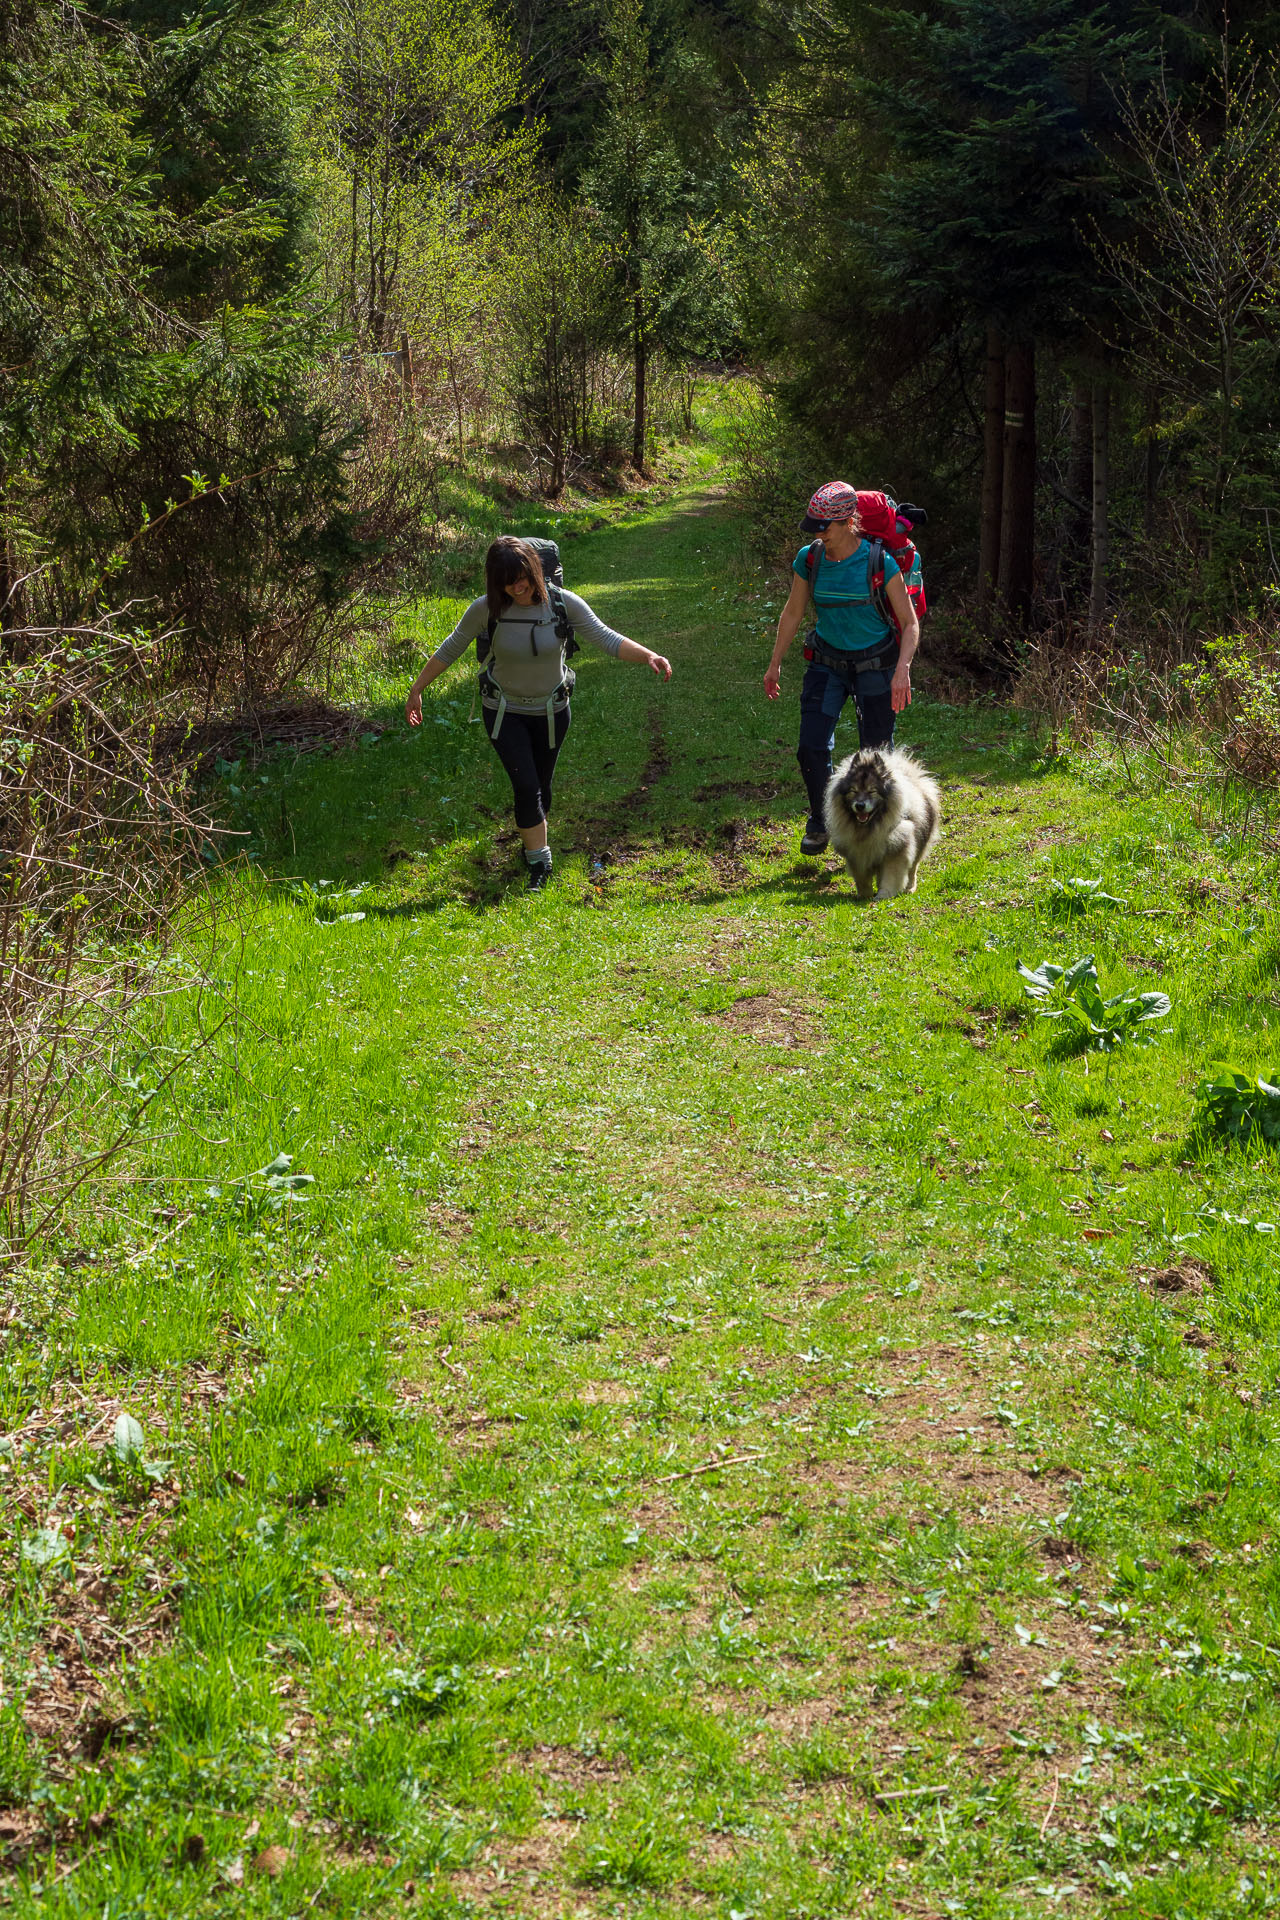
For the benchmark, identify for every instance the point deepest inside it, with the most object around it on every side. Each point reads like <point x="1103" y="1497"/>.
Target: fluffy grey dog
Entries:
<point x="883" y="815"/>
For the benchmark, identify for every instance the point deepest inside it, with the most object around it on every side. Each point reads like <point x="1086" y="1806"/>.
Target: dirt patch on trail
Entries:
<point x="72" y="1667"/>
<point x="739" y="790"/>
<point x="528" y="1875"/>
<point x="801" y="1719"/>
<point x="765" y="1018"/>
<point x="978" y="1493"/>
<point x="1065" y="1668"/>
<point x="737" y="840"/>
<point x="607" y="1393"/>
<point x="1190" y="1278"/>
<point x="450" y="1223"/>
<point x="658" y="765"/>
<point x="605" y="836"/>
<point x="939" y="1440"/>
<point x="657" y="1516"/>
<point x="570" y="1767"/>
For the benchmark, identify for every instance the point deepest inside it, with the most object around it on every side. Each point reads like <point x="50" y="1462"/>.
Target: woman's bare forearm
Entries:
<point x="788" y="628"/>
<point x="432" y="671"/>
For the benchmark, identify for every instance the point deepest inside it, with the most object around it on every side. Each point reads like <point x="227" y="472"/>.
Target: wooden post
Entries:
<point x="992" y="473"/>
<point x="1018" y="520"/>
<point x="406" y="372"/>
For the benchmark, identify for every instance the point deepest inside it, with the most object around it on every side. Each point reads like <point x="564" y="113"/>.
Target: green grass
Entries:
<point x="440" y="1604"/>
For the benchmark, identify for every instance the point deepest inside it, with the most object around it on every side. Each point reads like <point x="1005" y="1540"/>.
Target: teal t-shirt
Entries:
<point x="846" y="620"/>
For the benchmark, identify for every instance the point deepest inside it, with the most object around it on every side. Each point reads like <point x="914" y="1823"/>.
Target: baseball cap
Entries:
<point x="837" y="500"/>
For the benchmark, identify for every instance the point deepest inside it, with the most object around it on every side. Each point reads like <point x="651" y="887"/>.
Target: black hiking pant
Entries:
<point x="823" y="694"/>
<point x="529" y="754"/>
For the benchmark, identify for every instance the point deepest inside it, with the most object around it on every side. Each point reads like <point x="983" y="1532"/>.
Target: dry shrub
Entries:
<point x="1057" y="682"/>
<point x="242" y="633"/>
<point x="1204" y="705"/>
<point x="266" y="549"/>
<point x="1238" y="690"/>
<point x="97" y="845"/>
<point x="568" y="393"/>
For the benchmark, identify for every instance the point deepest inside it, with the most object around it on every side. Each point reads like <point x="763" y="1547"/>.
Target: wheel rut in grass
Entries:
<point x="609" y="835"/>
<point x="804" y="1469"/>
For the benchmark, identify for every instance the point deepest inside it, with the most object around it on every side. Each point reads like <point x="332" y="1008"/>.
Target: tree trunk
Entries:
<point x="1073" y="564"/>
<point x="1018" y="519"/>
<point x="992" y="473"/>
<point x="1151" y="469"/>
<point x="11" y="593"/>
<point x="642" y="368"/>
<point x="1101" y="538"/>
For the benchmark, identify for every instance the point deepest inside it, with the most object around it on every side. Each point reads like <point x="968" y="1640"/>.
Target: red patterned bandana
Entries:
<point x="836" y="501"/>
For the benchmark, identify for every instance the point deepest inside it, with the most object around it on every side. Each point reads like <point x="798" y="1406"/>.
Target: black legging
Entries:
<point x="527" y="753"/>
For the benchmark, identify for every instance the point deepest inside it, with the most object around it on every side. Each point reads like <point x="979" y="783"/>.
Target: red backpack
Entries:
<point x="886" y="525"/>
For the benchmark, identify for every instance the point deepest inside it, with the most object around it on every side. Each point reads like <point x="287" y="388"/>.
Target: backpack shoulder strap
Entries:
<point x="564" y="626"/>
<point x="876" y="584"/>
<point x="812" y="561"/>
<point x="484" y="641"/>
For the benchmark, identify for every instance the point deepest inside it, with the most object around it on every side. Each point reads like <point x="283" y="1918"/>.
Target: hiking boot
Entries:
<point x="814" y="841"/>
<point x="539" y="876"/>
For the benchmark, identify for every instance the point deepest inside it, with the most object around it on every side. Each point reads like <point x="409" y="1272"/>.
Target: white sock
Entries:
<point x="540" y="856"/>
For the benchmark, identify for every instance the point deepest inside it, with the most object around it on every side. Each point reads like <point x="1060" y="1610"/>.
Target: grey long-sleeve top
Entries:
<point x="527" y="663"/>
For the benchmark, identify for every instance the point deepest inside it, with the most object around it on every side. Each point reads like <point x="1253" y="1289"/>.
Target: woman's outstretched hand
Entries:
<point x="413" y="709"/>
<point x="900" y="690"/>
<point x="773" y="681"/>
<point x="660" y="665"/>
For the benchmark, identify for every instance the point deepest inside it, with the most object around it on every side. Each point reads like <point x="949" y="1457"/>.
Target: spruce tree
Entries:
<point x="154" y="344"/>
<point x="993" y="114"/>
<point x="947" y="168"/>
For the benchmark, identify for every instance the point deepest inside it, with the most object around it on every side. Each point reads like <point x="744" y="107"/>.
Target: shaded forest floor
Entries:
<point x="739" y="1424"/>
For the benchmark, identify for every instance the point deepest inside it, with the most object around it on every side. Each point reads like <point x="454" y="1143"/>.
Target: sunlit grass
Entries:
<point x="689" y="1160"/>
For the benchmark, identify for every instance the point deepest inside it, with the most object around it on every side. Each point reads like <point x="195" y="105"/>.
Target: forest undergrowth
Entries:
<point x="679" y="1395"/>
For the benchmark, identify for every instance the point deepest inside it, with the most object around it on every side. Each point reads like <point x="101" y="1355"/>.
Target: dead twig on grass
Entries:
<point x="709" y="1466"/>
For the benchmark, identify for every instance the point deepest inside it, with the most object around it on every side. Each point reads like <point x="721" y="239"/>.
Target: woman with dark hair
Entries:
<point x="525" y="682"/>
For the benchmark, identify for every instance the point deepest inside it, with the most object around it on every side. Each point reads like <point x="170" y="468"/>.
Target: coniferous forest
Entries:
<point x="1016" y="262"/>
<point x="573" y="1360"/>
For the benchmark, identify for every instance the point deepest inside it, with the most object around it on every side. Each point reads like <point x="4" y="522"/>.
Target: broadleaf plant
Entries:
<point x="1078" y="894"/>
<point x="1049" y="981"/>
<point x="1097" y="1025"/>
<point x="269" y="1187"/>
<point x="1244" y="1107"/>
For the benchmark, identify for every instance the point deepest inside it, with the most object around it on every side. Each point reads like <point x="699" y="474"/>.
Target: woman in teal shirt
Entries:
<point x="852" y="651"/>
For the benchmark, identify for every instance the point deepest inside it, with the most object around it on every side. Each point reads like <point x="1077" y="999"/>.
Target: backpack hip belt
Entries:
<point x="492" y="696"/>
<point x="879" y="659"/>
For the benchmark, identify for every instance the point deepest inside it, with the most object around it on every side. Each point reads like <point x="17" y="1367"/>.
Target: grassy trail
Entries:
<point x="739" y="1425"/>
